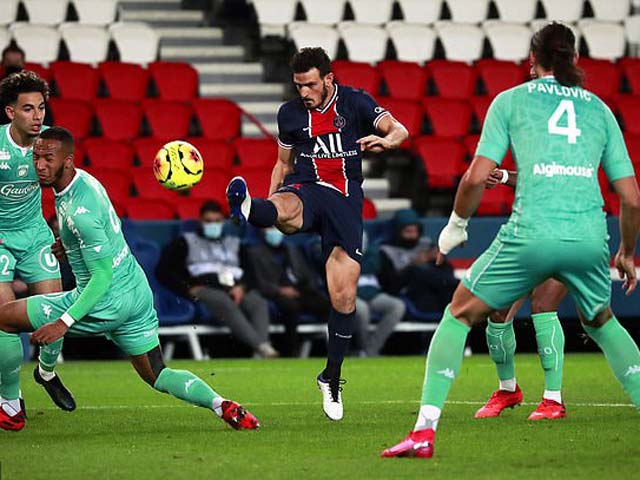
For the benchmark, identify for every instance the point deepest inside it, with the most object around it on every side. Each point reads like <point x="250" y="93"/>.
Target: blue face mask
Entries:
<point x="273" y="237"/>
<point x="212" y="230"/>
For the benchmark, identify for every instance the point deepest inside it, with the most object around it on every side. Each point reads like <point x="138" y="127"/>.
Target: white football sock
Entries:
<point x="508" y="385"/>
<point x="46" y="376"/>
<point x="216" y="405"/>
<point x="428" y="417"/>
<point x="554" y="395"/>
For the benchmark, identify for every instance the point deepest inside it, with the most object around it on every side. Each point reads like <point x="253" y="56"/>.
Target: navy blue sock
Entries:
<point x="341" y="327"/>
<point x="263" y="213"/>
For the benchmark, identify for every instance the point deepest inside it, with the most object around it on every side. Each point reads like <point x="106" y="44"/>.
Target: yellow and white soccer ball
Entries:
<point x="178" y="165"/>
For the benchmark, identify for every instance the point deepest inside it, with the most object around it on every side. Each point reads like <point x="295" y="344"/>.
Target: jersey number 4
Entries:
<point x="571" y="131"/>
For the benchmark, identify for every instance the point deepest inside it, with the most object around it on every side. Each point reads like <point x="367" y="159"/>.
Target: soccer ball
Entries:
<point x="178" y="165"/>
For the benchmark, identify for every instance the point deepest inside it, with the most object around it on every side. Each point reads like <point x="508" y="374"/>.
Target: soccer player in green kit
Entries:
<point x="112" y="297"/>
<point x="559" y="134"/>
<point x="25" y="238"/>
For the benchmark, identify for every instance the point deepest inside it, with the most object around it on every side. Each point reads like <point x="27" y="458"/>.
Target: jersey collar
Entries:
<point x="10" y="139"/>
<point x="333" y="99"/>
<point x="68" y="187"/>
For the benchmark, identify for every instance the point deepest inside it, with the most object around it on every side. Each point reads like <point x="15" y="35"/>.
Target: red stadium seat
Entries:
<point x="218" y="118"/>
<point x="145" y="149"/>
<point x="443" y="160"/>
<point x="75" y="81"/>
<point x="369" y="211"/>
<point x="453" y="79"/>
<point x="168" y="119"/>
<point x="116" y="182"/>
<point x="498" y="76"/>
<point x="150" y="209"/>
<point x="480" y="106"/>
<point x="629" y="109"/>
<point x="175" y="81"/>
<point x="256" y="153"/>
<point x="633" y="147"/>
<point x="602" y="77"/>
<point x="405" y="80"/>
<point x="358" y="75"/>
<point x="406" y="112"/>
<point x="258" y="180"/>
<point x="48" y="203"/>
<point x="216" y="154"/>
<point x="120" y="120"/>
<point x="109" y="153"/>
<point x="449" y="118"/>
<point x="42" y="71"/>
<point x="213" y="185"/>
<point x="147" y="186"/>
<point x="612" y="204"/>
<point x="496" y="201"/>
<point x="124" y="81"/>
<point x="189" y="208"/>
<point x="471" y="143"/>
<point x="72" y="114"/>
<point x="78" y="154"/>
<point x="631" y="69"/>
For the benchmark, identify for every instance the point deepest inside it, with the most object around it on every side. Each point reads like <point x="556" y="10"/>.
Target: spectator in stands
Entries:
<point x="12" y="59"/>
<point x="372" y="300"/>
<point x="282" y="274"/>
<point x="66" y="274"/>
<point x="205" y="265"/>
<point x="409" y="268"/>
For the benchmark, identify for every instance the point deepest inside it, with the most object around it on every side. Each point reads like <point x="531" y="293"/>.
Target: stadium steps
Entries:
<point x="160" y="13"/>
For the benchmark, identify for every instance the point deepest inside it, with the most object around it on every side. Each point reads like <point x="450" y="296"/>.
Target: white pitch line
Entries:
<point x="366" y="402"/>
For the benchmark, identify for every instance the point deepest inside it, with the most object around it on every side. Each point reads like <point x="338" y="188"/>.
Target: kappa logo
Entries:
<point x="187" y="384"/>
<point x="4" y="166"/>
<point x="47" y="310"/>
<point x="80" y="210"/>
<point x="447" y="372"/>
<point x="632" y="370"/>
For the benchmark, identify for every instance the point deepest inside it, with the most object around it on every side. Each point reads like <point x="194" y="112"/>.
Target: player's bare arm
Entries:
<point x="627" y="190"/>
<point x="393" y="134"/>
<point x="282" y="168"/>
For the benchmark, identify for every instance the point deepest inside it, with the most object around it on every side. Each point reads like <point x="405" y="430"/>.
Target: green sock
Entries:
<point x="186" y="386"/>
<point x="444" y="359"/>
<point x="622" y="354"/>
<point x="10" y="361"/>
<point x="501" y="341"/>
<point x="550" y="339"/>
<point x="49" y="355"/>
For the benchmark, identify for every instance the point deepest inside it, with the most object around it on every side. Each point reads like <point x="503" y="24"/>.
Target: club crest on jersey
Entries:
<point x="23" y="170"/>
<point x="339" y="121"/>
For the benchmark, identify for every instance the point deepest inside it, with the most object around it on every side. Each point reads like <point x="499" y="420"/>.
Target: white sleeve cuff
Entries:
<point x="67" y="319"/>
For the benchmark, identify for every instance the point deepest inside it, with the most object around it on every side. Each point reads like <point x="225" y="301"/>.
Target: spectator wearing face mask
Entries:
<point x="205" y="265"/>
<point x="282" y="274"/>
<point x="12" y="59"/>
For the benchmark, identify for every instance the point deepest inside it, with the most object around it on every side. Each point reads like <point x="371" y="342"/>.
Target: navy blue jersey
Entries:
<point x="324" y="140"/>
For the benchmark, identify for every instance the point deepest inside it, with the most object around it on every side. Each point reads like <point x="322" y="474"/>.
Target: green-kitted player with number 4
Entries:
<point x="112" y="296"/>
<point x="559" y="134"/>
<point x="25" y="237"/>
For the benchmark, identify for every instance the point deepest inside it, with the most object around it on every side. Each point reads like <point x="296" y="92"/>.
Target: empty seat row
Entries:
<point x="175" y="81"/>
<point x="217" y="119"/>
<point x="136" y="42"/>
<point x="53" y="12"/>
<point x="273" y="15"/>
<point x="460" y="41"/>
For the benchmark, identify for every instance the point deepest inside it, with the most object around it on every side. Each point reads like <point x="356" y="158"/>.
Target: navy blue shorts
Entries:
<point x="337" y="218"/>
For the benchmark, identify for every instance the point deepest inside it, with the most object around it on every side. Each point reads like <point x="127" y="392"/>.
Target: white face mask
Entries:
<point x="212" y="230"/>
<point x="273" y="237"/>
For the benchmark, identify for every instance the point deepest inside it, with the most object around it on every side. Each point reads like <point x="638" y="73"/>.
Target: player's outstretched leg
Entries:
<point x="501" y="341"/>
<point x="186" y="386"/>
<point x="12" y="416"/>
<point x="550" y="340"/>
<point x="443" y="364"/>
<point x="620" y="350"/>
<point x="45" y="375"/>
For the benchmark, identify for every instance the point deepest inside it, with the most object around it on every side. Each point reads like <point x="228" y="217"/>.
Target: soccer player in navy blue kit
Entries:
<point x="316" y="186"/>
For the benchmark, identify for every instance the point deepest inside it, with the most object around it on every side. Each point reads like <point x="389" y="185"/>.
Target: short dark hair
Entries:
<point x="62" y="135"/>
<point x="210" y="206"/>
<point x="12" y="47"/>
<point x="311" y="57"/>
<point x="25" y="81"/>
<point x="554" y="47"/>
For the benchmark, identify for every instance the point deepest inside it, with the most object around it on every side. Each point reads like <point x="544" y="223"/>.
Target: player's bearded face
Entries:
<point x="49" y="160"/>
<point x="313" y="89"/>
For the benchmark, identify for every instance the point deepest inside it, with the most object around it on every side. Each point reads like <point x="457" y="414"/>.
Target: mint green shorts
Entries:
<point x="512" y="267"/>
<point x="132" y="325"/>
<point x="27" y="252"/>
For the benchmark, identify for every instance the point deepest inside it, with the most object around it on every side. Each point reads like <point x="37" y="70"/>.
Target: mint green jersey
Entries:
<point x="20" y="198"/>
<point x="559" y="136"/>
<point x="90" y="230"/>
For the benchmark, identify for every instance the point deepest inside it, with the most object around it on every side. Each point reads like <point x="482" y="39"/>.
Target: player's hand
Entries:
<point x="237" y="294"/>
<point x="289" y="292"/>
<point x="495" y="178"/>
<point x="49" y="333"/>
<point x="58" y="250"/>
<point x="373" y="143"/>
<point x="627" y="271"/>
<point x="452" y="235"/>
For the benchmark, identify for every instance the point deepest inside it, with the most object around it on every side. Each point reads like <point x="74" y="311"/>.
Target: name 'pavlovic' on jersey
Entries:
<point x="324" y="140"/>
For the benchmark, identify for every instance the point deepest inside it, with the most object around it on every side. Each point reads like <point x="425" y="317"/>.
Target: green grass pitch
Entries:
<point x="125" y="430"/>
